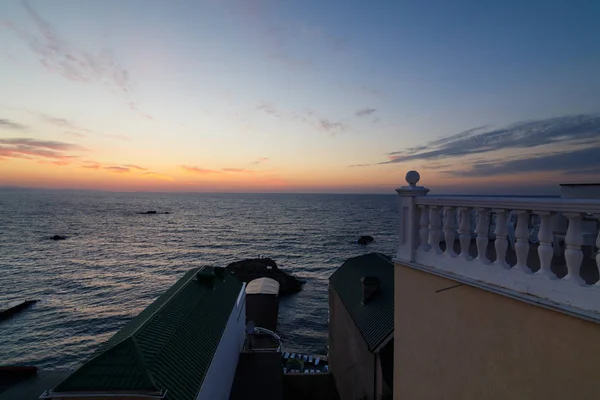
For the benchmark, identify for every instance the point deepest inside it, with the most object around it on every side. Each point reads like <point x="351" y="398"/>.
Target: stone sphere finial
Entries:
<point x="412" y="177"/>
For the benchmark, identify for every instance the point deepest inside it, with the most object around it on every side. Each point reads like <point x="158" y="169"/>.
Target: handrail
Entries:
<point x="591" y="206"/>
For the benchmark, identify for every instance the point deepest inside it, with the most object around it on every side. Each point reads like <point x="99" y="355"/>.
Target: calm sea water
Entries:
<point x="115" y="262"/>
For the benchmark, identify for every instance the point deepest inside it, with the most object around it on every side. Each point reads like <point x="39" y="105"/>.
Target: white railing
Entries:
<point x="491" y="240"/>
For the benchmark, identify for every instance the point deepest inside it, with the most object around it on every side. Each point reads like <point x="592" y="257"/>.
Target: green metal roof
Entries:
<point x="168" y="346"/>
<point x="375" y="319"/>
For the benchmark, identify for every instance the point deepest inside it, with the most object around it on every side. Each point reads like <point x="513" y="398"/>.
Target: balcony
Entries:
<point x="540" y="250"/>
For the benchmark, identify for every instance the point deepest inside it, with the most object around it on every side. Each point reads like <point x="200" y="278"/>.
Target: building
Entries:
<point x="361" y="327"/>
<point x="184" y="346"/>
<point x="479" y="319"/>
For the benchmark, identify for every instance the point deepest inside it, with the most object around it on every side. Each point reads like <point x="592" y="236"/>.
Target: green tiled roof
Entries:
<point x="375" y="319"/>
<point x="168" y="346"/>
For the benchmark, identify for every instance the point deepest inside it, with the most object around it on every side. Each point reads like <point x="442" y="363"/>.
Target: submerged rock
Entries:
<point x="148" y="212"/>
<point x="58" y="237"/>
<point x="153" y="212"/>
<point x="364" y="240"/>
<point x="254" y="268"/>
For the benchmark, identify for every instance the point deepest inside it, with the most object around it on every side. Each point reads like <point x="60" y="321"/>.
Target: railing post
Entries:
<point x="482" y="239"/>
<point x="409" y="228"/>
<point x="522" y="241"/>
<point x="435" y="229"/>
<point x="573" y="253"/>
<point x="464" y="232"/>
<point x="545" y="250"/>
<point x="500" y="242"/>
<point x="424" y="231"/>
<point x="450" y="230"/>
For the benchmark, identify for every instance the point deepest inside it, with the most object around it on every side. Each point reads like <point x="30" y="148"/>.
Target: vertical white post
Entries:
<point x="500" y="242"/>
<point x="424" y="231"/>
<point x="408" y="216"/>
<point x="545" y="250"/>
<point x="449" y="230"/>
<point x="435" y="229"/>
<point x="464" y="232"/>
<point x="482" y="235"/>
<point x="573" y="253"/>
<point x="522" y="241"/>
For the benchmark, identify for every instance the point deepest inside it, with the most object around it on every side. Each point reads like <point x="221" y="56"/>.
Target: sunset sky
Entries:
<point x="299" y="96"/>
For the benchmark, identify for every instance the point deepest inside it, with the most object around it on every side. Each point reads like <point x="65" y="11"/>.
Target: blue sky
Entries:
<point x="297" y="96"/>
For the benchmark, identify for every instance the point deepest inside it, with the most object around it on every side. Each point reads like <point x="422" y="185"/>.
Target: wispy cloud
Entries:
<point x="133" y="166"/>
<point x="40" y="150"/>
<point x="365" y="112"/>
<point x="156" y="175"/>
<point x="8" y="124"/>
<point x="60" y="56"/>
<point x="578" y="162"/>
<point x="567" y="144"/>
<point x="91" y="166"/>
<point x="332" y="126"/>
<point x="261" y="160"/>
<point x="206" y="171"/>
<point x="73" y="128"/>
<point x="268" y="108"/>
<point x="566" y="131"/>
<point x="284" y="42"/>
<point x="119" y="170"/>
<point x="197" y="170"/>
<point x="235" y="170"/>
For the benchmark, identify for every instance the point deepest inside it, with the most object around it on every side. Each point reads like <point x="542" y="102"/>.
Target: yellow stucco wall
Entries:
<point x="350" y="361"/>
<point x="468" y="343"/>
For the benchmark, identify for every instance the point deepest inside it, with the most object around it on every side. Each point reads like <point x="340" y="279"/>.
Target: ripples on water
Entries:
<point x="115" y="262"/>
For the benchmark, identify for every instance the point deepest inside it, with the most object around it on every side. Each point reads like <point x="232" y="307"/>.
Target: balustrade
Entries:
<point x="533" y="235"/>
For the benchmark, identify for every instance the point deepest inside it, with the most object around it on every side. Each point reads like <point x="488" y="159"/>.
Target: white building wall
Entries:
<point x="219" y="377"/>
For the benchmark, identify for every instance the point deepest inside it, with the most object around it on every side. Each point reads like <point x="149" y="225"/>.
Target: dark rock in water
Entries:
<point x="364" y="240"/>
<point x="153" y="212"/>
<point x="254" y="268"/>
<point x="58" y="237"/>
<point x="149" y="212"/>
<point x="14" y="309"/>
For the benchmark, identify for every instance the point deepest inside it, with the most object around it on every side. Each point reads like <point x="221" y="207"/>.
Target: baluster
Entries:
<point x="522" y="241"/>
<point x="464" y="231"/>
<point x="482" y="235"/>
<point x="424" y="231"/>
<point x="545" y="250"/>
<point x="449" y="230"/>
<point x="500" y="242"/>
<point x="435" y="229"/>
<point x="573" y="253"/>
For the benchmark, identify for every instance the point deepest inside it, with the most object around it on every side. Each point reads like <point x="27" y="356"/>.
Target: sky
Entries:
<point x="299" y="96"/>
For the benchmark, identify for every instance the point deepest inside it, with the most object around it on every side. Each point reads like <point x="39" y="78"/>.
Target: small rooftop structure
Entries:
<point x="361" y="327"/>
<point x="365" y="284"/>
<point x="167" y="350"/>
<point x="263" y="286"/>
<point x="580" y="190"/>
<point x="262" y="302"/>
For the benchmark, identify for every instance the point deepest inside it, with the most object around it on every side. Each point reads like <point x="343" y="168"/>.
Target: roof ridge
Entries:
<point x="142" y="361"/>
<point x="382" y="256"/>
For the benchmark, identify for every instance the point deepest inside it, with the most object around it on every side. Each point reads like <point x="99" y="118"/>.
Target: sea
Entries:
<point x="116" y="261"/>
